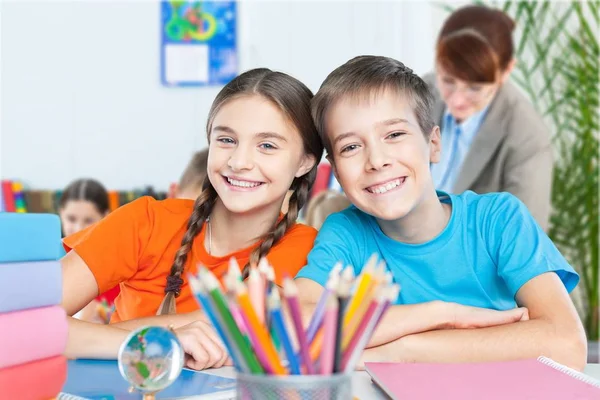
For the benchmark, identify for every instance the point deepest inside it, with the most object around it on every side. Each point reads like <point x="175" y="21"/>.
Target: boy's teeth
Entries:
<point x="233" y="182"/>
<point x="384" y="188"/>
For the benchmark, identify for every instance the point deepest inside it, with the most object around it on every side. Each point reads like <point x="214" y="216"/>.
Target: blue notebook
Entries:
<point x="30" y="285"/>
<point x="29" y="237"/>
<point x="101" y="380"/>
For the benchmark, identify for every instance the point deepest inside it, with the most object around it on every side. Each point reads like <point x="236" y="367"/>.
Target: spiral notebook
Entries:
<point x="101" y="380"/>
<point x="540" y="378"/>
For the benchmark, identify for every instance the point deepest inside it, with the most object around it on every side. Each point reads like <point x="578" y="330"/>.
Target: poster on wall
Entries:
<point x="198" y="46"/>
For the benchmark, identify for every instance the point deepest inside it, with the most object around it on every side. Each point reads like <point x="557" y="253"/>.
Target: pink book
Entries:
<point x="31" y="335"/>
<point x="539" y="378"/>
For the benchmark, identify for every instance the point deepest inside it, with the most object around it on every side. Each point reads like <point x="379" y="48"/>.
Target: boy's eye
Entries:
<point x="395" y="135"/>
<point x="349" y="148"/>
<point x="475" y="88"/>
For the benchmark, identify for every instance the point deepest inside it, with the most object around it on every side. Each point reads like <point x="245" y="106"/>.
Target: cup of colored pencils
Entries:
<point x="274" y="354"/>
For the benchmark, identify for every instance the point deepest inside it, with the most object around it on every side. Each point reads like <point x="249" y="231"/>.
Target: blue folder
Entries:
<point x="101" y="380"/>
<point x="29" y="237"/>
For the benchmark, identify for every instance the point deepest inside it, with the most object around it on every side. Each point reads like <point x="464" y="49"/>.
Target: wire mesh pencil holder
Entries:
<point x="294" y="387"/>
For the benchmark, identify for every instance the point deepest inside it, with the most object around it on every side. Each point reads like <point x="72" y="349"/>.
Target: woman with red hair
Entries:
<point x="493" y="140"/>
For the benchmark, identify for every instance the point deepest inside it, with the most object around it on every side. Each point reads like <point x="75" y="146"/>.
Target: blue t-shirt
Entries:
<point x="490" y="248"/>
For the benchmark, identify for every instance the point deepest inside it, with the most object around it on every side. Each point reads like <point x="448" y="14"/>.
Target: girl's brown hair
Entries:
<point x="476" y="43"/>
<point x="86" y="189"/>
<point x="293" y="98"/>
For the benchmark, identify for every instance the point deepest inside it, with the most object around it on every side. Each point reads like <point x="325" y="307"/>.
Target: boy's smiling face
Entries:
<point x="380" y="155"/>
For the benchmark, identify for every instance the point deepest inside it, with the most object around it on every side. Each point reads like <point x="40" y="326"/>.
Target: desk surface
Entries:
<point x="364" y="389"/>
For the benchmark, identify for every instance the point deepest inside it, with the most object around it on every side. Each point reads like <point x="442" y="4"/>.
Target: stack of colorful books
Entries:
<point x="34" y="326"/>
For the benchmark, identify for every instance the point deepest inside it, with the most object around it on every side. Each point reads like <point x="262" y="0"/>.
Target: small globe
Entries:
<point x="151" y="358"/>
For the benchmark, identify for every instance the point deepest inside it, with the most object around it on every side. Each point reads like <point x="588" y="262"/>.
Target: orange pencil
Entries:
<point x="256" y="291"/>
<point x="258" y="331"/>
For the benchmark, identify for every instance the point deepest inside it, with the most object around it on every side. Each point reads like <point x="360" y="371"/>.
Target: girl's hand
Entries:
<point x="203" y="348"/>
<point x="467" y="317"/>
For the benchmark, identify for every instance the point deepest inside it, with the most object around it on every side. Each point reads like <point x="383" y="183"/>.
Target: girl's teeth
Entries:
<point x="233" y="182"/>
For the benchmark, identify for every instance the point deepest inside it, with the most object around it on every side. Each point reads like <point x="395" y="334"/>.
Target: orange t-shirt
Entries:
<point x="135" y="246"/>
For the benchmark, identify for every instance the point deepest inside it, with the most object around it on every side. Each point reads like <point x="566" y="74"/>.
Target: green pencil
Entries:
<point x="212" y="285"/>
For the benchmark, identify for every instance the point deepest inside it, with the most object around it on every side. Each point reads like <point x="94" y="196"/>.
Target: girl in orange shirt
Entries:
<point x="262" y="143"/>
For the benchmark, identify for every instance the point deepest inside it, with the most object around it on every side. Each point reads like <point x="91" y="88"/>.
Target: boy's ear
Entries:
<point x="308" y="161"/>
<point x="435" y="145"/>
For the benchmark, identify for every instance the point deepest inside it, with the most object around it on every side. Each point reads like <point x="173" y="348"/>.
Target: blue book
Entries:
<point x="30" y="285"/>
<point x="101" y="380"/>
<point x="29" y="237"/>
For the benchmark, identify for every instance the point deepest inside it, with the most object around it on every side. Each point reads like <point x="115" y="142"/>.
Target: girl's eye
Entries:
<point x="475" y="89"/>
<point x="226" y="140"/>
<point x="268" y="146"/>
<point x="349" y="148"/>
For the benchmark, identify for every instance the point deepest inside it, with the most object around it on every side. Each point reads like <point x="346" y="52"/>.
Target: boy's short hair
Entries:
<point x="195" y="172"/>
<point x="367" y="76"/>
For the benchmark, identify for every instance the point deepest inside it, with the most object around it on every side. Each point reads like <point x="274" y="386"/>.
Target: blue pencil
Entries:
<point x="207" y="306"/>
<point x="279" y="327"/>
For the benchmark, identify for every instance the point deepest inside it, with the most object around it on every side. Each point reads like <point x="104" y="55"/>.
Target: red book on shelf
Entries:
<point x="9" y="197"/>
<point x="322" y="180"/>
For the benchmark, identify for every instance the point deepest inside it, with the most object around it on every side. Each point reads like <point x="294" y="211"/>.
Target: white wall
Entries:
<point x="81" y="93"/>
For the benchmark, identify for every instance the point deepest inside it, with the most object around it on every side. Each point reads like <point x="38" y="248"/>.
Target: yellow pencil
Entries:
<point x="350" y="327"/>
<point x="364" y="281"/>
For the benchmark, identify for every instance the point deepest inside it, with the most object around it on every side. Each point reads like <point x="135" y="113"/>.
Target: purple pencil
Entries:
<point x="290" y="291"/>
<point x="317" y="318"/>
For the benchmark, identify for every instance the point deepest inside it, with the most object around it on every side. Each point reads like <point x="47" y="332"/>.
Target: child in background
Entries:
<point x="323" y="205"/>
<point x="374" y="115"/>
<point x="262" y="143"/>
<point x="83" y="203"/>
<point x="190" y="183"/>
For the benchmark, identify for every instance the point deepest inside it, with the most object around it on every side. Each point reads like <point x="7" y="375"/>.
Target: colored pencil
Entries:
<point x="343" y="293"/>
<point x="375" y="304"/>
<point x="366" y="336"/>
<point x="281" y="332"/>
<point x="329" y="334"/>
<point x="208" y="307"/>
<point x="258" y="332"/>
<point x="363" y="283"/>
<point x="256" y="291"/>
<point x="290" y="291"/>
<point x="317" y="317"/>
<point x="212" y="286"/>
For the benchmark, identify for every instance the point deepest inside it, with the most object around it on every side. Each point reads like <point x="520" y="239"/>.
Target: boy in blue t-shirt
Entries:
<point x="375" y="118"/>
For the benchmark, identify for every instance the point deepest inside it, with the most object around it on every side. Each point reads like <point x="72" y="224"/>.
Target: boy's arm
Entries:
<point x="554" y="330"/>
<point x="402" y="320"/>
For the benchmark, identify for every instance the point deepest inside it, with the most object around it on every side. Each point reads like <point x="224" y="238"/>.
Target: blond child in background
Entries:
<point x="190" y="183"/>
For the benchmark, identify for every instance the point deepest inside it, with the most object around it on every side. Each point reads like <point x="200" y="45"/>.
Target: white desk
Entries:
<point x="365" y="390"/>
